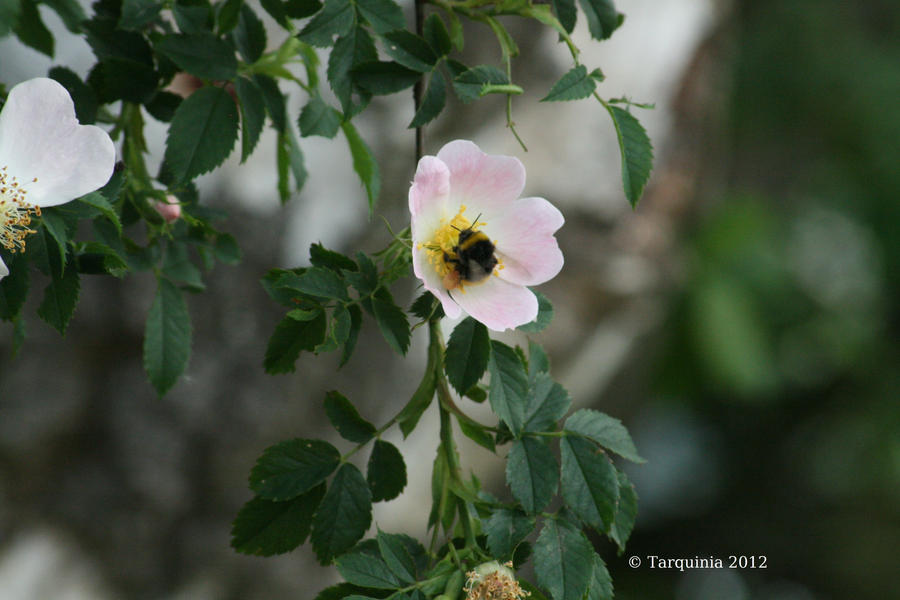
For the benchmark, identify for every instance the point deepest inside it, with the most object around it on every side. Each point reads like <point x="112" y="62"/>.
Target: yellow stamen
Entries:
<point x="15" y="213"/>
<point x="444" y="239"/>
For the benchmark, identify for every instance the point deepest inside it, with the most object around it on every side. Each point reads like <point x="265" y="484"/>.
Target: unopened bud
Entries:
<point x="170" y="210"/>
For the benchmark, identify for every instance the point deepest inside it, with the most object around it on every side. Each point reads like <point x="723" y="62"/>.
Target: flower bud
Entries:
<point x="170" y="210"/>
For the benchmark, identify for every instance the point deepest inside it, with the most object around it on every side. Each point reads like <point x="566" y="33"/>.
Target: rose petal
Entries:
<point x="428" y="196"/>
<point x="432" y="282"/>
<point x="498" y="304"/>
<point x="40" y="137"/>
<point x="525" y="243"/>
<point x="484" y="183"/>
<point x="4" y="270"/>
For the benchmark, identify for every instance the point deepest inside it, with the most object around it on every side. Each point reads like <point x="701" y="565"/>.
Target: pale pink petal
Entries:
<point x="484" y="183"/>
<point x="4" y="270"/>
<point x="428" y="196"/>
<point x="432" y="282"/>
<point x="525" y="243"/>
<point x="498" y="304"/>
<point x="40" y="137"/>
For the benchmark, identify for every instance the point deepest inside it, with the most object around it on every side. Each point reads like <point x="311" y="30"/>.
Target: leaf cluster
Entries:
<point x="327" y="301"/>
<point x="306" y="488"/>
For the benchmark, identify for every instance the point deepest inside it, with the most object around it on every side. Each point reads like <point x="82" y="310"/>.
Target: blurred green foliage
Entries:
<point x="783" y="346"/>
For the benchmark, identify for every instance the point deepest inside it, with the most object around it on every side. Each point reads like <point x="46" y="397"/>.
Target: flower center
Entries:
<point x="15" y="212"/>
<point x="459" y="252"/>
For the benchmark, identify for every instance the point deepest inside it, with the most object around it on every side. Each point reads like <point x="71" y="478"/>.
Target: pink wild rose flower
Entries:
<point x="476" y="243"/>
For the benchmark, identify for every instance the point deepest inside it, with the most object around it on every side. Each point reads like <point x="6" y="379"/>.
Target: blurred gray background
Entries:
<point x="742" y="322"/>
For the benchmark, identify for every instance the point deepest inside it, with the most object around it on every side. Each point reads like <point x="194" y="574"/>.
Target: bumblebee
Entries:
<point x="471" y="260"/>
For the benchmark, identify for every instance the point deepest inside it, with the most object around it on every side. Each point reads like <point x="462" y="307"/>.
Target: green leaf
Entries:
<point x="320" y="256"/>
<point x="253" y="114"/>
<point x="9" y="14"/>
<point x="346" y="420"/>
<point x="470" y="83"/>
<point x="354" y="48"/>
<point x="432" y="103"/>
<point x="290" y="161"/>
<point x="318" y="118"/>
<point x="265" y="528"/>
<point x="339" y="330"/>
<point x="99" y="201"/>
<point x="546" y="403"/>
<point x="343" y="590"/>
<point x="273" y="99"/>
<point x="228" y="14"/>
<point x="605" y="430"/>
<point x="343" y="516"/>
<point x="426" y="307"/>
<point x="367" y="281"/>
<point x="44" y="252"/>
<point x="410" y="50"/>
<point x="300" y="9"/>
<point x="393" y="548"/>
<point x="202" y="133"/>
<point x="363" y="163"/>
<point x="537" y="361"/>
<point x="574" y="85"/>
<point x="163" y="106"/>
<point x="293" y="467"/>
<point x="589" y="484"/>
<point x="566" y="13"/>
<point x="321" y="282"/>
<point x="382" y="15"/>
<point x="193" y="16"/>
<point x="167" y="337"/>
<point x="563" y="560"/>
<point x="54" y="224"/>
<point x="336" y="18"/>
<point x="531" y="473"/>
<point x="276" y="10"/>
<point x="637" y="153"/>
<point x="365" y="567"/>
<point x="436" y="35"/>
<point x="60" y="299"/>
<point x="601" y="587"/>
<point x="381" y="78"/>
<point x="602" y="17"/>
<point x="545" y="315"/>
<point x="391" y="320"/>
<point x="508" y="386"/>
<point x="177" y="266"/>
<point x="353" y="334"/>
<point x="31" y="30"/>
<point x="14" y="287"/>
<point x="505" y="529"/>
<point x="468" y="351"/>
<point x="201" y="54"/>
<point x="386" y="473"/>
<point x="250" y="35"/>
<point x="626" y="512"/>
<point x="138" y="13"/>
<point x="292" y="336"/>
